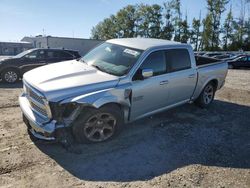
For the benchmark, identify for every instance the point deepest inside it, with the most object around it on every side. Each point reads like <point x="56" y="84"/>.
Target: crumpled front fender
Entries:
<point x="99" y="98"/>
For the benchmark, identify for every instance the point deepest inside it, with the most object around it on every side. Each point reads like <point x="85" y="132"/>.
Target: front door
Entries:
<point x="34" y="59"/>
<point x="150" y="94"/>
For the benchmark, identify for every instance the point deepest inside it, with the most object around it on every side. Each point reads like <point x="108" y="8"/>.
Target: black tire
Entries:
<point x="10" y="75"/>
<point x="88" y="122"/>
<point x="202" y="101"/>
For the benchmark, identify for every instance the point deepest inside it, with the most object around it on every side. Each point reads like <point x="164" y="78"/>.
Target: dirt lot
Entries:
<point x="187" y="146"/>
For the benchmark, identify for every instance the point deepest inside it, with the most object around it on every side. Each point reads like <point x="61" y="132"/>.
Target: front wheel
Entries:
<point x="10" y="76"/>
<point x="97" y="125"/>
<point x="207" y="96"/>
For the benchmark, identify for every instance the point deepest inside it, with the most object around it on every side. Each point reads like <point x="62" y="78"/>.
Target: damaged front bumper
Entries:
<point x="39" y="128"/>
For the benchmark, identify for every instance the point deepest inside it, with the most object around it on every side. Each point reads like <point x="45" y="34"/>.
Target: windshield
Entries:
<point x="239" y="58"/>
<point x="23" y="53"/>
<point x="111" y="58"/>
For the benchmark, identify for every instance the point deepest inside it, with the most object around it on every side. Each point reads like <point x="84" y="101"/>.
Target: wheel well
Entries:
<point x="112" y="104"/>
<point x="124" y="109"/>
<point x="215" y="83"/>
<point x="12" y="68"/>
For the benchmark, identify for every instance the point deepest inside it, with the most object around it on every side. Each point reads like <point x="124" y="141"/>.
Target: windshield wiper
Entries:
<point x="99" y="68"/>
<point x="81" y="60"/>
<point x="103" y="70"/>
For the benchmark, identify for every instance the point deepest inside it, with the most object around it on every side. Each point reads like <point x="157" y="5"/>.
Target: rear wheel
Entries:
<point x="207" y="96"/>
<point x="10" y="75"/>
<point x="98" y="125"/>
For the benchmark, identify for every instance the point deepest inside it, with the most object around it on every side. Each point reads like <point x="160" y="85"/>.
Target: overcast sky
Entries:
<point x="75" y="18"/>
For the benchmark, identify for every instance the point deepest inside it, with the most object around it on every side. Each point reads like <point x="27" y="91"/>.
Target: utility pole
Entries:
<point x="43" y="32"/>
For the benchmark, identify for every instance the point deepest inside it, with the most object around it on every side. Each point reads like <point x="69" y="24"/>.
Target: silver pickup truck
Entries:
<point x="117" y="82"/>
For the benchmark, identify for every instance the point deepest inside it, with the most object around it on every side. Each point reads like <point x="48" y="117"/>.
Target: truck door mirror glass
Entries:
<point x="146" y="73"/>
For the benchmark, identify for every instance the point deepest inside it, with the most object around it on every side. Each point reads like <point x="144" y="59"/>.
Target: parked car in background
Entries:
<point x="119" y="81"/>
<point x="212" y="54"/>
<point x="234" y="57"/>
<point x="224" y="56"/>
<point x="240" y="62"/>
<point x="13" y="68"/>
<point x="199" y="53"/>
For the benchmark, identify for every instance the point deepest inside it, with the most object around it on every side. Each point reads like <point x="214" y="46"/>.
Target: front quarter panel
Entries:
<point x="119" y="95"/>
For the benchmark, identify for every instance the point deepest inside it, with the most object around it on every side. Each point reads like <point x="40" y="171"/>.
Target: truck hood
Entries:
<point x="66" y="79"/>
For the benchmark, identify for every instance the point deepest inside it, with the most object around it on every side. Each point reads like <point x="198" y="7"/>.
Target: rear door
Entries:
<point x="181" y="76"/>
<point x="63" y="55"/>
<point x="54" y="56"/>
<point x="51" y="56"/>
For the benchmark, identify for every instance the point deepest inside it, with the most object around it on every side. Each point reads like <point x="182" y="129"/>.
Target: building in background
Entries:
<point x="14" y="48"/>
<point x="79" y="44"/>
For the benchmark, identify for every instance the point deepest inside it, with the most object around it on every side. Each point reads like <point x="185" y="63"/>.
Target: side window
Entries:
<point x="62" y="54"/>
<point x="40" y="54"/>
<point x="178" y="59"/>
<point x="50" y="54"/>
<point x="32" y="55"/>
<point x="155" y="61"/>
<point x="243" y="59"/>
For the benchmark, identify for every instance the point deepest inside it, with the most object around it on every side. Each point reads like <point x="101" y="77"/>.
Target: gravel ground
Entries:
<point x="186" y="146"/>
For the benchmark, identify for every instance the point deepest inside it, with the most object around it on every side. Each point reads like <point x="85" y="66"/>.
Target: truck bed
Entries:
<point x="209" y="69"/>
<point x="200" y="60"/>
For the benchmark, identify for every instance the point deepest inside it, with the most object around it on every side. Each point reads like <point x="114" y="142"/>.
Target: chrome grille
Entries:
<point x="37" y="102"/>
<point x="38" y="109"/>
<point x="34" y="96"/>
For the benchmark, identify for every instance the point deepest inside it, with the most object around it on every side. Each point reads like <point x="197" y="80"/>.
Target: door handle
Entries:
<point x="191" y="76"/>
<point x="164" y="82"/>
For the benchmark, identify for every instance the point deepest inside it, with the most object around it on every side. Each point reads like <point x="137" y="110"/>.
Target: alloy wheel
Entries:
<point x="10" y="76"/>
<point x="208" y="94"/>
<point x="100" y="127"/>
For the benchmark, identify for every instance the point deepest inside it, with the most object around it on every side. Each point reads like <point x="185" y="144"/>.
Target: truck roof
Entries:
<point x="142" y="43"/>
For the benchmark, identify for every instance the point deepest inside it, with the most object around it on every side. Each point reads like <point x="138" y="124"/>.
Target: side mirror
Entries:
<point x="147" y="73"/>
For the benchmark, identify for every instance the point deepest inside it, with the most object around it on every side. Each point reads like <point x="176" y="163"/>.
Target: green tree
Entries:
<point x="126" y="22"/>
<point x="246" y="44"/>
<point x="149" y="20"/>
<point x="105" y="29"/>
<point x="168" y="28"/>
<point x="174" y="10"/>
<point x="184" y="31"/>
<point x="228" y="30"/>
<point x="212" y="23"/>
<point x="196" y="33"/>
<point x="207" y="33"/>
<point x="240" y="38"/>
<point x="131" y="21"/>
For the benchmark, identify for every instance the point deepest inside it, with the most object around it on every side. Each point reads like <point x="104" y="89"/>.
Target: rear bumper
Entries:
<point x="36" y="125"/>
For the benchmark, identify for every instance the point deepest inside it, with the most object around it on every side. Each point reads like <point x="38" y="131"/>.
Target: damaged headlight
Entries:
<point x="61" y="111"/>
